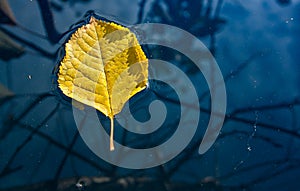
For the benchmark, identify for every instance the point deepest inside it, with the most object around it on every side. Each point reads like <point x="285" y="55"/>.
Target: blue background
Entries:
<point x="256" y="45"/>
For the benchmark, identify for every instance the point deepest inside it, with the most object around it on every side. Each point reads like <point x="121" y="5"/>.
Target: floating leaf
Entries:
<point x="6" y="15"/>
<point x="104" y="66"/>
<point x="9" y="48"/>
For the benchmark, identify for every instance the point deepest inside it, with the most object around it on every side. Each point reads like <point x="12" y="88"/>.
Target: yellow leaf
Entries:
<point x="104" y="66"/>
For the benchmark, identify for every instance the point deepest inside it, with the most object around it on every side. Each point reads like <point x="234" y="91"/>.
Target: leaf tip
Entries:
<point x="92" y="19"/>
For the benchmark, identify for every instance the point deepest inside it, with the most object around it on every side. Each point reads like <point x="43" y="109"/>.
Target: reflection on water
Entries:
<point x="254" y="43"/>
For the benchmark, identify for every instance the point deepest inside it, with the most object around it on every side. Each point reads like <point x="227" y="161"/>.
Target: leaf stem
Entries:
<point x="111" y="139"/>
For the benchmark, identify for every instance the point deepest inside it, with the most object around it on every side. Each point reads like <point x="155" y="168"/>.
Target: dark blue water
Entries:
<point x="256" y="46"/>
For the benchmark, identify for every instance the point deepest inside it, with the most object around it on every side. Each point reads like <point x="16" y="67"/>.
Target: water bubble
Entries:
<point x="80" y="185"/>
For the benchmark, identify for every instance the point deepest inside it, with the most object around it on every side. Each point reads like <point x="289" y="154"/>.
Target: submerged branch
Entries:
<point x="29" y="44"/>
<point x="48" y="20"/>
